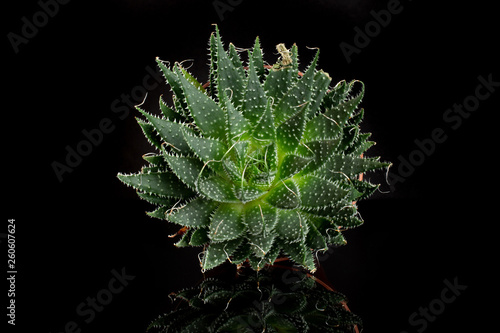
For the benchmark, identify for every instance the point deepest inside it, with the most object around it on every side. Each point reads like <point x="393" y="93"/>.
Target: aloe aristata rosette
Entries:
<point x="260" y="162"/>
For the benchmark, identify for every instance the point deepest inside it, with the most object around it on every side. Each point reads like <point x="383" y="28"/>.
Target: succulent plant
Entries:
<point x="260" y="161"/>
<point x="259" y="302"/>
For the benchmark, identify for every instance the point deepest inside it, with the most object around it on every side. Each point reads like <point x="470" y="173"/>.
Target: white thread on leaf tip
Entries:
<point x="142" y="100"/>
<point x="192" y="63"/>
<point x="263" y="252"/>
<point x="289" y="188"/>
<point x="215" y="232"/>
<point x="332" y="120"/>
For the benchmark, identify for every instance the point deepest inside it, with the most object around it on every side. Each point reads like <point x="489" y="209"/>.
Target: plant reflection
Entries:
<point x="278" y="298"/>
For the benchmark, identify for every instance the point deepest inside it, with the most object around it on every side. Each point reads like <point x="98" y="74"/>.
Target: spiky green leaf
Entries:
<point x="210" y="151"/>
<point x="247" y="193"/>
<point x="169" y="113"/>
<point x="159" y="213"/>
<point x="175" y="84"/>
<point x="291" y="165"/>
<point x="254" y="100"/>
<point x="342" y="112"/>
<point x="315" y="239"/>
<point x="218" y="189"/>
<point x="318" y="192"/>
<point x="150" y="133"/>
<point x="163" y="184"/>
<point x="321" y="82"/>
<point x="217" y="253"/>
<point x="170" y="132"/>
<point x="291" y="226"/>
<point x="157" y="200"/>
<point x="261" y="244"/>
<point x="188" y="169"/>
<point x="207" y="114"/>
<point x="300" y="253"/>
<point x="257" y="61"/>
<point x="264" y="128"/>
<point x="289" y="133"/>
<point x="195" y="214"/>
<point x="258" y="216"/>
<point x="284" y="195"/>
<point x="227" y="223"/>
<point x="297" y="96"/>
<point x="228" y="76"/>
<point x="199" y="237"/>
<point x="342" y="166"/>
<point x="238" y="125"/>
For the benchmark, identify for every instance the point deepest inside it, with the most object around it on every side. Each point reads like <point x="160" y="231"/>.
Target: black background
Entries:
<point x="439" y="224"/>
